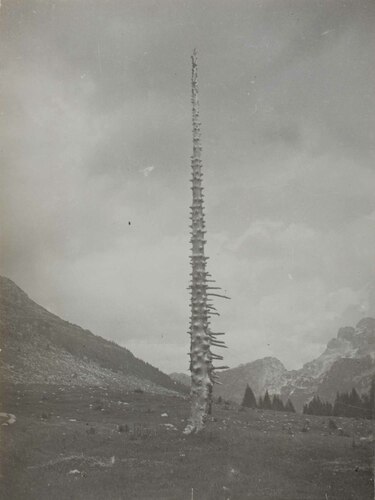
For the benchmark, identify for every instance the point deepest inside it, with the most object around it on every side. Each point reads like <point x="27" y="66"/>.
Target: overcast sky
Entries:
<point x="95" y="166"/>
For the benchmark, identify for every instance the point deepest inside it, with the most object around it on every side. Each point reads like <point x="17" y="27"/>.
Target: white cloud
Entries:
<point x="147" y="170"/>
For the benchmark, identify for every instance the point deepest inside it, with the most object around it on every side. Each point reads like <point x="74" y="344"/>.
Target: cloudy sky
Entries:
<point x="96" y="141"/>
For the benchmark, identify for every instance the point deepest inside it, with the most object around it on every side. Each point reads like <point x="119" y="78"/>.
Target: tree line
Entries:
<point x="266" y="402"/>
<point x="346" y="404"/>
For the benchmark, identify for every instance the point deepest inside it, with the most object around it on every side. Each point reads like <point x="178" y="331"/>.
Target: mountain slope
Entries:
<point x="348" y="361"/>
<point x="261" y="374"/>
<point x="40" y="347"/>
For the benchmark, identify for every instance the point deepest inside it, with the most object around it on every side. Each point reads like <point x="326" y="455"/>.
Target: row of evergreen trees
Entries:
<point x="318" y="407"/>
<point x="346" y="404"/>
<point x="266" y="402"/>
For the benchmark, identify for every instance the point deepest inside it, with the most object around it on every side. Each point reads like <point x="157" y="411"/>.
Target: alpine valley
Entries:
<point x="348" y="361"/>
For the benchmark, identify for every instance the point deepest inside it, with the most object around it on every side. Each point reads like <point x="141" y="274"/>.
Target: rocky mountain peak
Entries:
<point x="366" y="324"/>
<point x="364" y="340"/>
<point x="266" y="363"/>
<point x="353" y="342"/>
<point x="347" y="361"/>
<point x="346" y="333"/>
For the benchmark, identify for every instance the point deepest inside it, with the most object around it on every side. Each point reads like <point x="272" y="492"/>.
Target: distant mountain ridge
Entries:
<point x="348" y="361"/>
<point x="260" y="374"/>
<point x="39" y="347"/>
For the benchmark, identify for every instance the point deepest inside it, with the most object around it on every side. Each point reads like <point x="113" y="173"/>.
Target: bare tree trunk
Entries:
<point x="201" y="357"/>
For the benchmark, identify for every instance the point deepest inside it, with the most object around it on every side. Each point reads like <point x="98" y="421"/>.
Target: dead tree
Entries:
<point x="203" y="374"/>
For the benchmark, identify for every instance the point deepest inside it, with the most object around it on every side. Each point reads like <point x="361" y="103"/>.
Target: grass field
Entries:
<point x="91" y="443"/>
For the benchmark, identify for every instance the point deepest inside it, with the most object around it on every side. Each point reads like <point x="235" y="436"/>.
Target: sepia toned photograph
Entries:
<point x="187" y="249"/>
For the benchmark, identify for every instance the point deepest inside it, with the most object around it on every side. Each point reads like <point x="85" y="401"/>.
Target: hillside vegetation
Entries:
<point x="40" y="347"/>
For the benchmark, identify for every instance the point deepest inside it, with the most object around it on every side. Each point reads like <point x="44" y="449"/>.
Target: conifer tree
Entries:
<point x="338" y="406"/>
<point x="342" y="406"/>
<point x="372" y="399"/>
<point x="351" y="404"/>
<point x="317" y="407"/>
<point x="277" y="403"/>
<point x="289" y="406"/>
<point x="355" y="404"/>
<point x="267" y="405"/>
<point x="249" y="400"/>
<point x="365" y="402"/>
